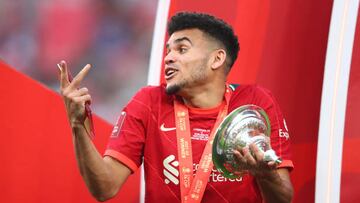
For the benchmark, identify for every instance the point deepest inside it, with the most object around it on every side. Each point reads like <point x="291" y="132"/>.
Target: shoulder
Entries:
<point x="251" y="94"/>
<point x="145" y="101"/>
<point x="149" y="92"/>
<point x="250" y="91"/>
<point x="152" y="97"/>
<point x="152" y="89"/>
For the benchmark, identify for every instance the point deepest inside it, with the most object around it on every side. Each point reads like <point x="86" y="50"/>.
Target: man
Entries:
<point x="168" y="127"/>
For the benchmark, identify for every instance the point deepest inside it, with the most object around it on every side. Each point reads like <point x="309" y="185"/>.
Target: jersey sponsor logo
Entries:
<point x="171" y="172"/>
<point x="284" y="133"/>
<point x="120" y="121"/>
<point x="164" y="129"/>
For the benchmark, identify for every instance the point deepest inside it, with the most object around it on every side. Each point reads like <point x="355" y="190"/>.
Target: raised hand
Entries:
<point x="74" y="96"/>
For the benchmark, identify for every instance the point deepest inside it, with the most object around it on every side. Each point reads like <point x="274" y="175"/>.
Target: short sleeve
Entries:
<point x="280" y="139"/>
<point x="126" y="142"/>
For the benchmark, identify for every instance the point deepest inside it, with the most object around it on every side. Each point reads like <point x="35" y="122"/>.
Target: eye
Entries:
<point x="182" y="50"/>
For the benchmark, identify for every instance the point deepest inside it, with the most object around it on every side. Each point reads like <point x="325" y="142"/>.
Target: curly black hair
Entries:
<point x="214" y="27"/>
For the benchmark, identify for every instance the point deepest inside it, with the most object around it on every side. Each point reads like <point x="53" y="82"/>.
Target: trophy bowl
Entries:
<point x="245" y="125"/>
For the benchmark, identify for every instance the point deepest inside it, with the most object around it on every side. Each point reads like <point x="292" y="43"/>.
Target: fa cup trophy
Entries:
<point x="243" y="126"/>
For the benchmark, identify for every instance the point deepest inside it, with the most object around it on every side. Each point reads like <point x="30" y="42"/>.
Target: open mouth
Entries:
<point x="170" y="73"/>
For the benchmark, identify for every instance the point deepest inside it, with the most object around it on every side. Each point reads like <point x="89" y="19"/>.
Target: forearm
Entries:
<point x="95" y="172"/>
<point x="103" y="177"/>
<point x="275" y="188"/>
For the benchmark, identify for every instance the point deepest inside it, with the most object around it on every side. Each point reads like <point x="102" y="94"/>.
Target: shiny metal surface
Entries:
<point x="243" y="126"/>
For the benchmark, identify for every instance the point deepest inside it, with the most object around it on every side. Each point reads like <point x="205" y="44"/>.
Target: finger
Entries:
<point x="249" y="158"/>
<point x="83" y="99"/>
<point x="272" y="165"/>
<point x="240" y="158"/>
<point x="258" y="154"/>
<point x="83" y="91"/>
<point x="80" y="76"/>
<point x="79" y="92"/>
<point x="64" y="81"/>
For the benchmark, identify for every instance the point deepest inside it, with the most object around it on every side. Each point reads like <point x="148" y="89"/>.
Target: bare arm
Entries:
<point x="275" y="184"/>
<point x="103" y="176"/>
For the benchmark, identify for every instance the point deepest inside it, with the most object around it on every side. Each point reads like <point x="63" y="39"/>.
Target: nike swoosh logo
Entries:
<point x="164" y="129"/>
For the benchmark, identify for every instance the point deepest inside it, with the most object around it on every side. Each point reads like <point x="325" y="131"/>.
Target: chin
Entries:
<point x="172" y="89"/>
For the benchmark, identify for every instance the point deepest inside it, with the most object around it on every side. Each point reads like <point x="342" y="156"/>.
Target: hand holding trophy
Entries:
<point x="245" y="125"/>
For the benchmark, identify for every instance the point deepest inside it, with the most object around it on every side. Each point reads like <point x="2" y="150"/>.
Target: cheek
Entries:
<point x="194" y="65"/>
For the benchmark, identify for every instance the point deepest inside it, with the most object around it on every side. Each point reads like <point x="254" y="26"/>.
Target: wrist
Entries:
<point x="79" y="128"/>
<point x="77" y="125"/>
<point x="269" y="175"/>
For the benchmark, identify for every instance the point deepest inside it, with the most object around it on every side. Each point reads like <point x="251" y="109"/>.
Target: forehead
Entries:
<point x="191" y="34"/>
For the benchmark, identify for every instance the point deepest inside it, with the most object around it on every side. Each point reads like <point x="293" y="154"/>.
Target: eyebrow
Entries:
<point x="177" y="41"/>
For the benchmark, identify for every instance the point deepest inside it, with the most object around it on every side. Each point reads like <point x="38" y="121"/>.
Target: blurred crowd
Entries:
<point x="113" y="35"/>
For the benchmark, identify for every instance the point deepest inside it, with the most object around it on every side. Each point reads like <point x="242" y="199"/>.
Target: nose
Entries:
<point x="169" y="58"/>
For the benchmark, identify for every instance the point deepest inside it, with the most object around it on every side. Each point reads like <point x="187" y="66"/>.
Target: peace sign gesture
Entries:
<point x="74" y="98"/>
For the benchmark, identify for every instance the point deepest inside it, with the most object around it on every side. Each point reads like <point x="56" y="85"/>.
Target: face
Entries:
<point x="187" y="60"/>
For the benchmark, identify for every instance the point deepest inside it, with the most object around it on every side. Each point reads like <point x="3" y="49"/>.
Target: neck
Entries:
<point x="204" y="97"/>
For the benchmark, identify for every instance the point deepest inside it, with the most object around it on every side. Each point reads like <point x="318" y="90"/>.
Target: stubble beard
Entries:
<point x="196" y="76"/>
<point x="173" y="89"/>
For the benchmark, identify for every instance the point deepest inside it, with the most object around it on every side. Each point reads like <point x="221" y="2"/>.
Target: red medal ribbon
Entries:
<point x="192" y="188"/>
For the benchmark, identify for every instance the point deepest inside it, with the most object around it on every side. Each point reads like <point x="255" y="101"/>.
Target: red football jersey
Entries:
<point x="145" y="132"/>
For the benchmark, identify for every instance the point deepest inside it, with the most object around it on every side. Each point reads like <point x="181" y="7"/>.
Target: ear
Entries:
<point x="219" y="58"/>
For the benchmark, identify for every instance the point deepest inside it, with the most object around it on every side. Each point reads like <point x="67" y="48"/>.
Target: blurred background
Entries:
<point x="284" y="46"/>
<point x="113" y="35"/>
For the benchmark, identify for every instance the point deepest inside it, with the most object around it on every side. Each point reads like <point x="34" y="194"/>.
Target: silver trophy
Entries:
<point x="243" y="126"/>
